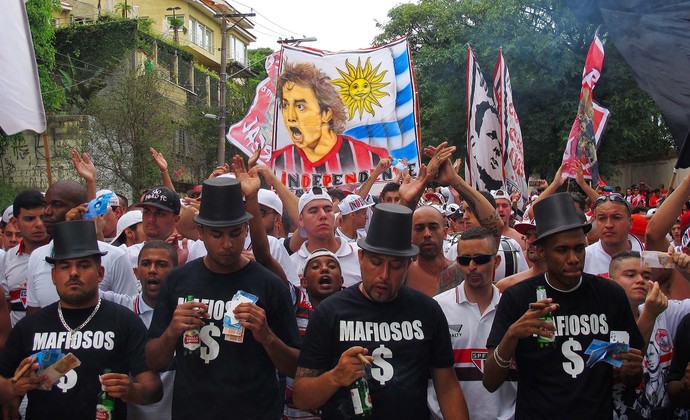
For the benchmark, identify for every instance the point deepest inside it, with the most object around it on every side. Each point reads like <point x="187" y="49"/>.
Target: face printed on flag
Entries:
<point x="484" y="164"/>
<point x="338" y="114"/>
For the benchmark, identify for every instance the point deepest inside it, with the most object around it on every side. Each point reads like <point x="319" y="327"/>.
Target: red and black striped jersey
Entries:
<point x="347" y="155"/>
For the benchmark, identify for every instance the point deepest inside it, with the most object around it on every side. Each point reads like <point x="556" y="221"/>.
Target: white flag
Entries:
<point x="21" y="106"/>
<point x="484" y="163"/>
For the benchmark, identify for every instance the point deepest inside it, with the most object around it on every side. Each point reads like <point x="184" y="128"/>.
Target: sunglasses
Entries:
<point x="457" y="215"/>
<point x="614" y="197"/>
<point x="464" y="260"/>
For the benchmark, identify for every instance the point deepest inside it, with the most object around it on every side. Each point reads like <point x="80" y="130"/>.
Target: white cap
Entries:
<point x="271" y="200"/>
<point x="113" y="202"/>
<point x="323" y="252"/>
<point x="445" y="192"/>
<point x="496" y="194"/>
<point x="8" y="214"/>
<point x="352" y="203"/>
<point x="128" y="219"/>
<point x="315" y="193"/>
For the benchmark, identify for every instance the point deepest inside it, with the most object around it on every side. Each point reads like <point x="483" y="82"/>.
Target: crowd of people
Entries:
<point x="240" y="299"/>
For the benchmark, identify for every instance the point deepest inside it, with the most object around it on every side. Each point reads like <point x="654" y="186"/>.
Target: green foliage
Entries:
<point x="128" y="119"/>
<point x="545" y="47"/>
<point x="43" y="36"/>
<point x="7" y="194"/>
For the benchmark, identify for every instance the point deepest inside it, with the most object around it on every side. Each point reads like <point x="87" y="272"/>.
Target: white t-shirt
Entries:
<point x="469" y="331"/>
<point x="347" y="257"/>
<point x="597" y="261"/>
<point x="118" y="277"/>
<point x="163" y="408"/>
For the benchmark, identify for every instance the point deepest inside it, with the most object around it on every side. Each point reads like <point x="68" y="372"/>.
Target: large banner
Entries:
<point x="590" y="121"/>
<point x="255" y="130"/>
<point x="21" y="107"/>
<point x="338" y="114"/>
<point x="484" y="162"/>
<point x="510" y="133"/>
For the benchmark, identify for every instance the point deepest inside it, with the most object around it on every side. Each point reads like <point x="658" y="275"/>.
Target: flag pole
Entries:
<point x="673" y="180"/>
<point x="49" y="172"/>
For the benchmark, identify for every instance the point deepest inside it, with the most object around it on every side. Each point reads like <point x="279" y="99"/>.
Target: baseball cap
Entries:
<point x="163" y="198"/>
<point x="639" y="224"/>
<point x="271" y="200"/>
<point x="314" y="193"/>
<point x="8" y="214"/>
<point x="322" y="252"/>
<point x="525" y="226"/>
<point x="113" y="202"/>
<point x="128" y="219"/>
<point x="429" y="196"/>
<point x="685" y="239"/>
<point x="352" y="203"/>
<point x="496" y="194"/>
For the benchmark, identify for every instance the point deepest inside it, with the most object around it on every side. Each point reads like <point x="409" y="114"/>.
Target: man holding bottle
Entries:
<point x="553" y="380"/>
<point x="402" y="332"/>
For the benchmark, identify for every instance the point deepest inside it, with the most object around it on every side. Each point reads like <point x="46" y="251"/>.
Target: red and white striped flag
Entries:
<point x="510" y="133"/>
<point x="21" y="107"/>
<point x="484" y="162"/>
<point x="591" y="119"/>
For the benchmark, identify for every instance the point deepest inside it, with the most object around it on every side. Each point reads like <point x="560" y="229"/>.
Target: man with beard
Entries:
<point x="60" y="198"/>
<point x="101" y="334"/>
<point x="428" y="231"/>
<point x="156" y="260"/>
<point x="529" y="233"/>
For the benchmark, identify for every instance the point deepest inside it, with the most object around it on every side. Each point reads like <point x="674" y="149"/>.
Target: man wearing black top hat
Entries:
<point x="224" y="379"/>
<point x="402" y="331"/>
<point x="102" y="335"/>
<point x="553" y="380"/>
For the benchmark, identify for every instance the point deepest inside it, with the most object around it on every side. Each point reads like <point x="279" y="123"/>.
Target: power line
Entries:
<point x="269" y="20"/>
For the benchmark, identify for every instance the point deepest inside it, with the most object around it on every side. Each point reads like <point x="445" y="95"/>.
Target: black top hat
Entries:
<point x="557" y="213"/>
<point x="221" y="203"/>
<point x="74" y="239"/>
<point x="390" y="232"/>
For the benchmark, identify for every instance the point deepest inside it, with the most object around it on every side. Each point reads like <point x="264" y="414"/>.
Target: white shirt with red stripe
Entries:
<point x="469" y="331"/>
<point x="14" y="281"/>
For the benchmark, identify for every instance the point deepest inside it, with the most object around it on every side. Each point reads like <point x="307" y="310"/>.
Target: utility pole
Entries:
<point x="175" y="25"/>
<point x="224" y="75"/>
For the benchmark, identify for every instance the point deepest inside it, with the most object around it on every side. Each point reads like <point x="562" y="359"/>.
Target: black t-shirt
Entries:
<point x="113" y="339"/>
<point x="681" y="351"/>
<point x="227" y="380"/>
<point x="554" y="382"/>
<point x="407" y="337"/>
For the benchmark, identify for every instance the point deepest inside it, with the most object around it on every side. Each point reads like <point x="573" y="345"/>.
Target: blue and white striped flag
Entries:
<point x="377" y="89"/>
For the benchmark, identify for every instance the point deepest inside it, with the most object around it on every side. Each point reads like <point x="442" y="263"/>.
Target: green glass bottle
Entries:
<point x="105" y="408"/>
<point x="191" y="341"/>
<point x="545" y="342"/>
<point x="361" y="399"/>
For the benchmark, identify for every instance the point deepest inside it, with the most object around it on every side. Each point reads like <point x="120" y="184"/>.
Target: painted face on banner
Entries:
<point x="302" y="115"/>
<point x="485" y="131"/>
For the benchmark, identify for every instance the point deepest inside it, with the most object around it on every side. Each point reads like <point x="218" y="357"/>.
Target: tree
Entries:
<point x="545" y="47"/>
<point x="129" y="117"/>
<point x="40" y="13"/>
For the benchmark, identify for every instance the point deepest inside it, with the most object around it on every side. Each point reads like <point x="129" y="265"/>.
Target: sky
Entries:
<point x="312" y="18"/>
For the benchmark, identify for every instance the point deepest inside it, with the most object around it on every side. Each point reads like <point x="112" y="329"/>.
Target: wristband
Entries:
<point x="501" y="362"/>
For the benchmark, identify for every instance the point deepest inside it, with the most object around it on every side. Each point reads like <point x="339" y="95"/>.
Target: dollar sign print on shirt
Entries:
<point x="383" y="372"/>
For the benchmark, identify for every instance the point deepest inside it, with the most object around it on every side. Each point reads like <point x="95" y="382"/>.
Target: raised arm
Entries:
<point x="163" y="167"/>
<point x="665" y="216"/>
<point x="381" y="167"/>
<point x="551" y="189"/>
<point x="591" y="193"/>
<point x="87" y="170"/>
<point x="290" y="200"/>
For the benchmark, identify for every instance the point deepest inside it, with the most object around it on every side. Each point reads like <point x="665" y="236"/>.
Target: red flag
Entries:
<point x="590" y="121"/>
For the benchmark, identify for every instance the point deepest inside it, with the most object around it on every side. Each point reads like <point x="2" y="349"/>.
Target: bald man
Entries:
<point x="428" y="230"/>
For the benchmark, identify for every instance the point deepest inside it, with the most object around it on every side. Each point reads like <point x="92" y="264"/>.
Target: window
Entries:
<point x="181" y="142"/>
<point x="200" y="35"/>
<point x="237" y="50"/>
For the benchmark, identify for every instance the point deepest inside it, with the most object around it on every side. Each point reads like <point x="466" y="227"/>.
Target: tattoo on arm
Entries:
<point x="491" y="223"/>
<point x="308" y="373"/>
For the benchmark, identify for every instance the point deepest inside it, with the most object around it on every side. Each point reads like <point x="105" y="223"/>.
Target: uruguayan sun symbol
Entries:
<point x="361" y="87"/>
